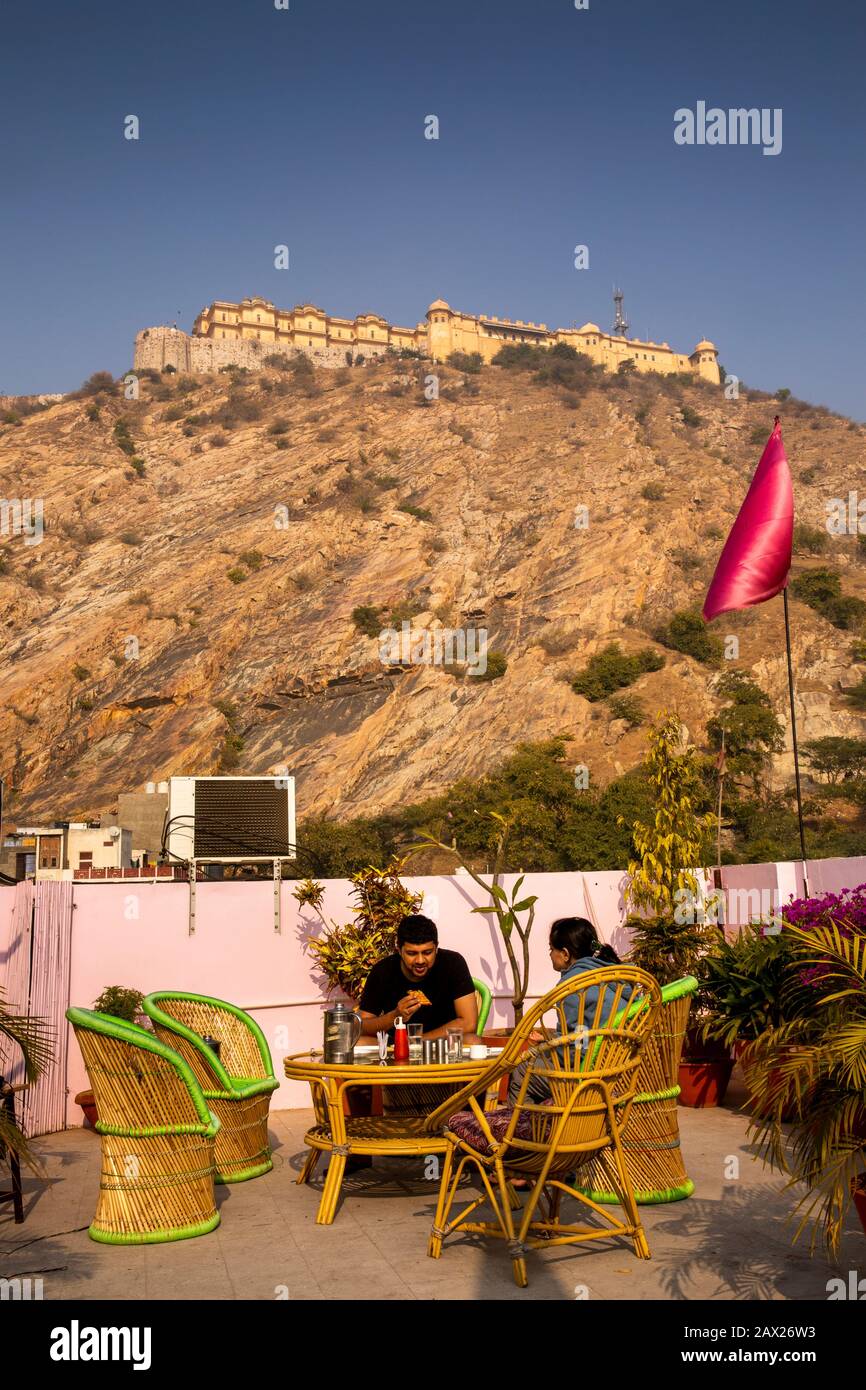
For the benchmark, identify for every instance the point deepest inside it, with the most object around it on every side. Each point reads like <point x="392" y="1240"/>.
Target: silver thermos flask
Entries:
<point x="342" y="1031"/>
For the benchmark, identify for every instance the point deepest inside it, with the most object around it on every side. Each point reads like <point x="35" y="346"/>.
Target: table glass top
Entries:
<point x="366" y="1056"/>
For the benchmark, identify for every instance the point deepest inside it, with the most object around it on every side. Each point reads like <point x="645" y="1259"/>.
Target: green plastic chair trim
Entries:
<point x="242" y="1090"/>
<point x="152" y="1009"/>
<point x="131" y="1033"/>
<point x="649" y="1196"/>
<point x="484" y="1007"/>
<point x="243" y="1174"/>
<point x="643" y="1097"/>
<point x="154" y="1131"/>
<point x="675" y="990"/>
<point x="199" y="1228"/>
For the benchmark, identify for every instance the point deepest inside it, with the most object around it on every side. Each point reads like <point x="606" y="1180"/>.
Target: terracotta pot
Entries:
<point x="88" y="1104"/>
<point x="704" y="1081"/>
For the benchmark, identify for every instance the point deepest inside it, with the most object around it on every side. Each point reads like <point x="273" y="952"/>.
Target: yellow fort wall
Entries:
<point x="245" y="332"/>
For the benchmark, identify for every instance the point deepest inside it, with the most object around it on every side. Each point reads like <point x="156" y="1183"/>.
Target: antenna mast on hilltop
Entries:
<point x="620" y="322"/>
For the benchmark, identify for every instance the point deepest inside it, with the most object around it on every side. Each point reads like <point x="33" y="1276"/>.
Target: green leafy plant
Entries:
<point x="743" y="984"/>
<point x="419" y="513"/>
<point x="122" y="437"/>
<point x="120" y="1002"/>
<point x="496" y="664"/>
<point x="836" y="758"/>
<point x="810" y="540"/>
<point x="687" y="632"/>
<point x="629" y="708"/>
<point x="673" y="845"/>
<point x="346" y="954"/>
<point x="821" y="589"/>
<point x="856" y="694"/>
<point x="748" y="725"/>
<point x="367" y="619"/>
<point x="471" y="362"/>
<point x="668" y="947"/>
<point x="611" y="669"/>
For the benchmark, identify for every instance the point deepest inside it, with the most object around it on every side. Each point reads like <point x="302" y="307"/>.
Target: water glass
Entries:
<point x="415" y="1031"/>
<point x="454" y="1043"/>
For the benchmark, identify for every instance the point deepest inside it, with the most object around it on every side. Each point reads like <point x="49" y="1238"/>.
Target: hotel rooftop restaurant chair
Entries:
<point x="237" y="1085"/>
<point x="157" y="1134"/>
<point x="591" y="1071"/>
<point x="483" y="999"/>
<point x="651" y="1138"/>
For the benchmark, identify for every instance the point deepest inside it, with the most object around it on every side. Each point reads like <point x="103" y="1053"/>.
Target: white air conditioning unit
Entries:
<point x="230" y="818"/>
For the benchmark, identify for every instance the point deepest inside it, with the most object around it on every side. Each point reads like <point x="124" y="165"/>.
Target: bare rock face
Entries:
<point x="190" y="607"/>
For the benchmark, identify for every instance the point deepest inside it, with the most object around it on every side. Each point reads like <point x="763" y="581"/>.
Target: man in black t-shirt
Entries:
<point x="419" y="965"/>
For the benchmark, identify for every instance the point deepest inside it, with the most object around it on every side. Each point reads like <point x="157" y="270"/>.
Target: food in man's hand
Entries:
<point x="419" y="995"/>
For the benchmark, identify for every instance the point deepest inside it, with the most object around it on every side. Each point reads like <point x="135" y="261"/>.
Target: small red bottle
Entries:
<point x="401" y="1040"/>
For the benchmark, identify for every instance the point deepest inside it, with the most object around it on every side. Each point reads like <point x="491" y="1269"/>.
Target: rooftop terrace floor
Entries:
<point x="731" y="1240"/>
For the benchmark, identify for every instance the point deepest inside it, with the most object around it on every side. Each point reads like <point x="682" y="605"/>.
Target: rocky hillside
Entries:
<point x="190" y="606"/>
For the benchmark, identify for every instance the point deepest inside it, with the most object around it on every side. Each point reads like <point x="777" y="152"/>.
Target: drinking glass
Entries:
<point x="415" y="1031"/>
<point x="455" y="1045"/>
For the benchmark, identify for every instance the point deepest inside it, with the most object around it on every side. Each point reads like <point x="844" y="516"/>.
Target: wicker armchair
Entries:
<point x="237" y="1085"/>
<point x="651" y="1138"/>
<point x="591" y="1072"/>
<point x="157" y="1135"/>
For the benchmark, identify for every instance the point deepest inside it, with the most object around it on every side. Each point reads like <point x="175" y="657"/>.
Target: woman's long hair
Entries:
<point x="577" y="936"/>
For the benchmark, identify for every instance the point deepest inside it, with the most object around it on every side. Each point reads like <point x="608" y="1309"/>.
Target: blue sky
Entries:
<point x="306" y="127"/>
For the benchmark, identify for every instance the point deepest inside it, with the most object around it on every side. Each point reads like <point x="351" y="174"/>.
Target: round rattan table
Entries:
<point x="400" y="1134"/>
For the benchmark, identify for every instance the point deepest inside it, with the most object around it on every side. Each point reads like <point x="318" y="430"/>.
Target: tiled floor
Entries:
<point x="730" y="1240"/>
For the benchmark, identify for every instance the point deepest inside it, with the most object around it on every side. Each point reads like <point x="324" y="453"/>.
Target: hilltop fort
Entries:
<point x="227" y="334"/>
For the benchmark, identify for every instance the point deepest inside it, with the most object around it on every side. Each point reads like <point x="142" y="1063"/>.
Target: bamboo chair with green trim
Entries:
<point x="237" y="1085"/>
<point x="483" y="998"/>
<point x="651" y="1139"/>
<point x="591" y="1070"/>
<point x="156" y="1131"/>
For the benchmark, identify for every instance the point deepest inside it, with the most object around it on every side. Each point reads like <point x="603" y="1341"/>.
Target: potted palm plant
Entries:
<point x="819" y="1054"/>
<point x="119" y="1002"/>
<point x="34" y="1037"/>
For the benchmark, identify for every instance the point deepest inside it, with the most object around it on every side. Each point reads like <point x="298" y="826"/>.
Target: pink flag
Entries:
<point x="757" y="556"/>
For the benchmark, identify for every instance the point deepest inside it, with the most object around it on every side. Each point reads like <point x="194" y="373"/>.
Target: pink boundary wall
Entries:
<point x="137" y="934"/>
